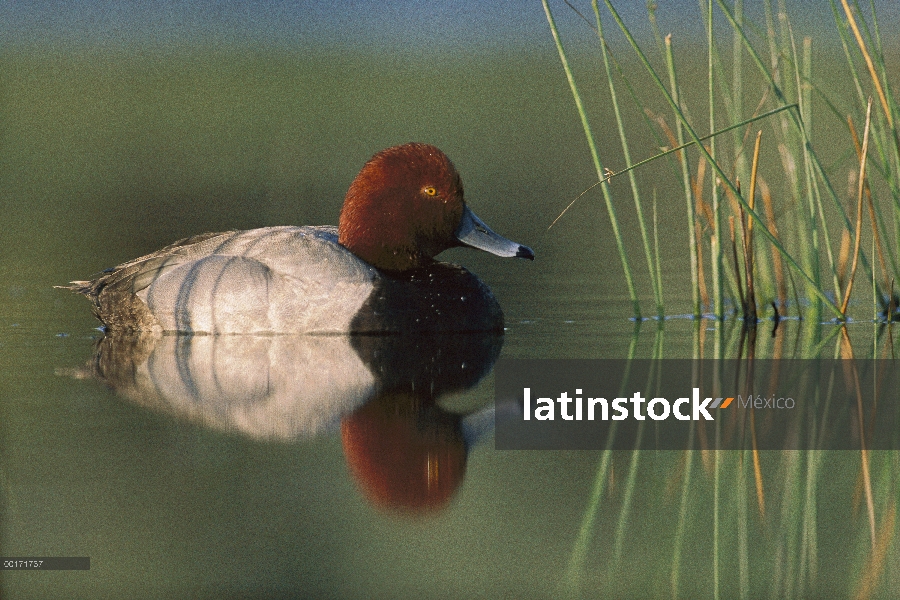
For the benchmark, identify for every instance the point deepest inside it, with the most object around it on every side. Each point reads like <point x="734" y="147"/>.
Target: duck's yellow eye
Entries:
<point x="430" y="191"/>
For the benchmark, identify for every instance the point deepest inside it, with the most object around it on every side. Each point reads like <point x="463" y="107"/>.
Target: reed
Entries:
<point x="765" y="256"/>
<point x="716" y="240"/>
<point x="859" y="205"/>
<point x="686" y="179"/>
<point x="635" y="192"/>
<point x="750" y="304"/>
<point x="598" y="165"/>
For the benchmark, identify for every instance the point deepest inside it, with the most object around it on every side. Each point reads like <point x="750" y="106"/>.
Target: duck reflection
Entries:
<point x="382" y="392"/>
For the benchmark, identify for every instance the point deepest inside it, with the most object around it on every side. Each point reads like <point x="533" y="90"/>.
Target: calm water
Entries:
<point x="223" y="494"/>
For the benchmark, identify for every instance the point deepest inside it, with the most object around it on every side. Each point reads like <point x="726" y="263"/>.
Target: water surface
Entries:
<point x="108" y="156"/>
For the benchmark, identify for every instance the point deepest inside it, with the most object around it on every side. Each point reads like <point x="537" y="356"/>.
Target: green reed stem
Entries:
<point x="737" y="88"/>
<point x="886" y="165"/>
<point x="876" y="65"/>
<point x="607" y="196"/>
<point x="813" y="192"/>
<point x="816" y="163"/>
<point x="819" y="293"/>
<point x="874" y="306"/>
<point x="686" y="181"/>
<point x="716" y="246"/>
<point x="656" y="247"/>
<point x="635" y="193"/>
<point x="888" y="158"/>
<point x="611" y="174"/>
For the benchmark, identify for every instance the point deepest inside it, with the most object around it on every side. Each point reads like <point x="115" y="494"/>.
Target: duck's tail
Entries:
<point x="80" y="287"/>
<point x="91" y="288"/>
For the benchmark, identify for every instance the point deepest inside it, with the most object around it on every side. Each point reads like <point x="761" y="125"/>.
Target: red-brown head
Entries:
<point x="406" y="206"/>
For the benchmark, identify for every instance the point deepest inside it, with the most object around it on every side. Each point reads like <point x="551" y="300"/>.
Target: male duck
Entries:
<point x="373" y="273"/>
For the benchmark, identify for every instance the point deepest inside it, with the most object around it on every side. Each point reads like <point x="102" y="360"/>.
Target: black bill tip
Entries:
<point x="525" y="252"/>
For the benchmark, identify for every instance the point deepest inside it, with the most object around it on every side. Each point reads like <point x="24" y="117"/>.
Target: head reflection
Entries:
<point x="406" y="453"/>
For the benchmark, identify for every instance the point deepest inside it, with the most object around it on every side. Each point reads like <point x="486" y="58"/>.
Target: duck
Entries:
<point x="374" y="273"/>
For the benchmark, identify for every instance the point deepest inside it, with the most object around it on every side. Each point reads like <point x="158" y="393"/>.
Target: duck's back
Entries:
<point x="274" y="279"/>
